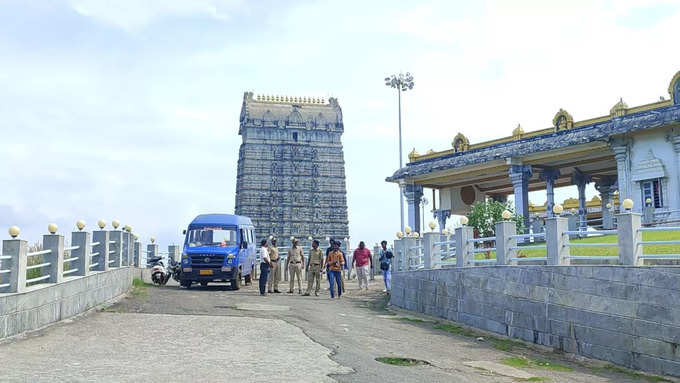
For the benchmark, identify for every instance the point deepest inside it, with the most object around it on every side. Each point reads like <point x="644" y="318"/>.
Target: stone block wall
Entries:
<point x="629" y="316"/>
<point x="48" y="303"/>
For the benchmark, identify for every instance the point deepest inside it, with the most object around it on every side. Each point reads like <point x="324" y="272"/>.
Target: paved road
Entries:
<point x="213" y="334"/>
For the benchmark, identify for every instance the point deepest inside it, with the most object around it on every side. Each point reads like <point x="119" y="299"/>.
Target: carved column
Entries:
<point x="606" y="186"/>
<point x="581" y="180"/>
<point x="623" y="171"/>
<point x="519" y="175"/>
<point x="549" y="176"/>
<point x="441" y="216"/>
<point x="676" y="147"/>
<point x="413" y="194"/>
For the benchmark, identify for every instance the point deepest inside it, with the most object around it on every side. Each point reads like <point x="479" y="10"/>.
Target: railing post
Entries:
<point x="376" y="263"/>
<point x="55" y="243"/>
<point x="629" y="224"/>
<point x="556" y="242"/>
<point x="464" y="249"/>
<point x="116" y="248"/>
<point x="504" y="243"/>
<point x="83" y="240"/>
<point x="137" y="250"/>
<point x="17" y="249"/>
<point x="101" y="249"/>
<point x="408" y="243"/>
<point x="125" y="249"/>
<point x="428" y="250"/>
<point x="151" y="251"/>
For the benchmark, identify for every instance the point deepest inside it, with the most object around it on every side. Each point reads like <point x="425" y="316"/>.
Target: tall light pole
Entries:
<point x="401" y="82"/>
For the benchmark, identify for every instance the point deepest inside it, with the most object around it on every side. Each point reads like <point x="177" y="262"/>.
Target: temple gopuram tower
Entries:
<point x="291" y="168"/>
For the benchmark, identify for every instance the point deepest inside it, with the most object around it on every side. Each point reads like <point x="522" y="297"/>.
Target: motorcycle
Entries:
<point x="159" y="274"/>
<point x="175" y="269"/>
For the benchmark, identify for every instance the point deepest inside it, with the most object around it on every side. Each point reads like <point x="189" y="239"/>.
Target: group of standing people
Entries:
<point x="332" y="262"/>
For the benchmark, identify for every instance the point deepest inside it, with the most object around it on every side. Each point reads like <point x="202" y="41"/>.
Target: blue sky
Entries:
<point x="106" y="108"/>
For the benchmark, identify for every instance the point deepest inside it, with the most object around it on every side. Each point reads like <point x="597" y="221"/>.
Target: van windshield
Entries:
<point x="211" y="236"/>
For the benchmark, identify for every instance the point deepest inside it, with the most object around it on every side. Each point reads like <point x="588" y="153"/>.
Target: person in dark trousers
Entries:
<point x="265" y="265"/>
<point x="385" y="265"/>
<point x="344" y="260"/>
<point x="335" y="261"/>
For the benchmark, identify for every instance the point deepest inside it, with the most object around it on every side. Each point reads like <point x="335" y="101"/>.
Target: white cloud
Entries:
<point x="133" y="15"/>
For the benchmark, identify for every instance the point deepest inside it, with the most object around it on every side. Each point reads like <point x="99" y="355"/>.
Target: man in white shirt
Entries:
<point x="265" y="264"/>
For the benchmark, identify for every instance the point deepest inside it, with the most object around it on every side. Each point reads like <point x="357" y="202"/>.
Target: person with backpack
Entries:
<point x="385" y="264"/>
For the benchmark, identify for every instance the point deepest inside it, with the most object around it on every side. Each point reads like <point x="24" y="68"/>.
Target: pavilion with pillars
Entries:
<point x="632" y="150"/>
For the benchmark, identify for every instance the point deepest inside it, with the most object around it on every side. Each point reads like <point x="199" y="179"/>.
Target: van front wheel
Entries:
<point x="236" y="282"/>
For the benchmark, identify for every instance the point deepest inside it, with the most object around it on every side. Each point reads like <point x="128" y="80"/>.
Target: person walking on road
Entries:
<point x="314" y="263"/>
<point x="264" y="266"/>
<point x="364" y="262"/>
<point x="385" y="265"/>
<point x="294" y="262"/>
<point x="275" y="272"/>
<point x="335" y="262"/>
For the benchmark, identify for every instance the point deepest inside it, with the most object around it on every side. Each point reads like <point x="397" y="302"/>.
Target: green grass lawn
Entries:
<point x="607" y="251"/>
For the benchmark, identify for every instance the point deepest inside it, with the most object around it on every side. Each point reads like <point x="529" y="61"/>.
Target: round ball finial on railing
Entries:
<point x="558" y="209"/>
<point x="464" y="220"/>
<point x="407" y="230"/>
<point x="346" y="239"/>
<point x="416" y="235"/>
<point x="136" y="238"/>
<point x="80" y="225"/>
<point x="52" y="228"/>
<point x="14" y="231"/>
<point x="101" y="223"/>
<point x="310" y="238"/>
<point x="400" y="235"/>
<point x="432" y="225"/>
<point x="648" y="201"/>
<point x="153" y="240"/>
<point x="328" y="238"/>
<point x="127" y="228"/>
<point x="292" y="238"/>
<point x="506" y="214"/>
<point x="609" y="205"/>
<point x="628" y="203"/>
<point x="115" y="223"/>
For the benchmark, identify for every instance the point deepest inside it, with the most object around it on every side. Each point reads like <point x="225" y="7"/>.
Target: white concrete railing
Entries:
<point x="55" y="262"/>
<point x="508" y="244"/>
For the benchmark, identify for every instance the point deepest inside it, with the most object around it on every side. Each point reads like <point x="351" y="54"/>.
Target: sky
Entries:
<point x="107" y="107"/>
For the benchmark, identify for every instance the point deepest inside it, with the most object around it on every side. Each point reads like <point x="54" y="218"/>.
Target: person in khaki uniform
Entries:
<point x="314" y="263"/>
<point x="294" y="263"/>
<point x="275" y="272"/>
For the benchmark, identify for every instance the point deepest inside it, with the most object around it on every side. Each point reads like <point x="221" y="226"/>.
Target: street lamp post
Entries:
<point x="401" y="82"/>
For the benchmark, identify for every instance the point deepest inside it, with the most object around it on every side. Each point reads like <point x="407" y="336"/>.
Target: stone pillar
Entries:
<point x="606" y="186"/>
<point x="83" y="240"/>
<point x="581" y="179"/>
<point x="520" y="175"/>
<point x="125" y="249"/>
<point x="441" y="216"/>
<point x="629" y="238"/>
<point x="623" y="172"/>
<point x="675" y="198"/>
<point x="17" y="250"/>
<point x="173" y="252"/>
<point x="100" y="251"/>
<point x="464" y="249"/>
<point x="137" y="249"/>
<point x="549" y="175"/>
<point x="556" y="241"/>
<point x="413" y="194"/>
<point x="115" y="248"/>
<point x="399" y="255"/>
<point x="151" y="251"/>
<point x="504" y="243"/>
<point x="430" y="258"/>
<point x="54" y="242"/>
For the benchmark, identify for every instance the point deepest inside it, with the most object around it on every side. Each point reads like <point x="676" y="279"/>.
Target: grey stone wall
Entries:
<point x="626" y="315"/>
<point x="48" y="303"/>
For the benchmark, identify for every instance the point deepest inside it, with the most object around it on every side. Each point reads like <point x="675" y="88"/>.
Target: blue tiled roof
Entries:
<point x="590" y="133"/>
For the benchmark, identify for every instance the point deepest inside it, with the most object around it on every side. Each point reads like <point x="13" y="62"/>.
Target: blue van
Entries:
<point x="218" y="248"/>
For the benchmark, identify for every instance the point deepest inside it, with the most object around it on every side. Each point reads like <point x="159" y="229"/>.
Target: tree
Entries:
<point x="484" y="215"/>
